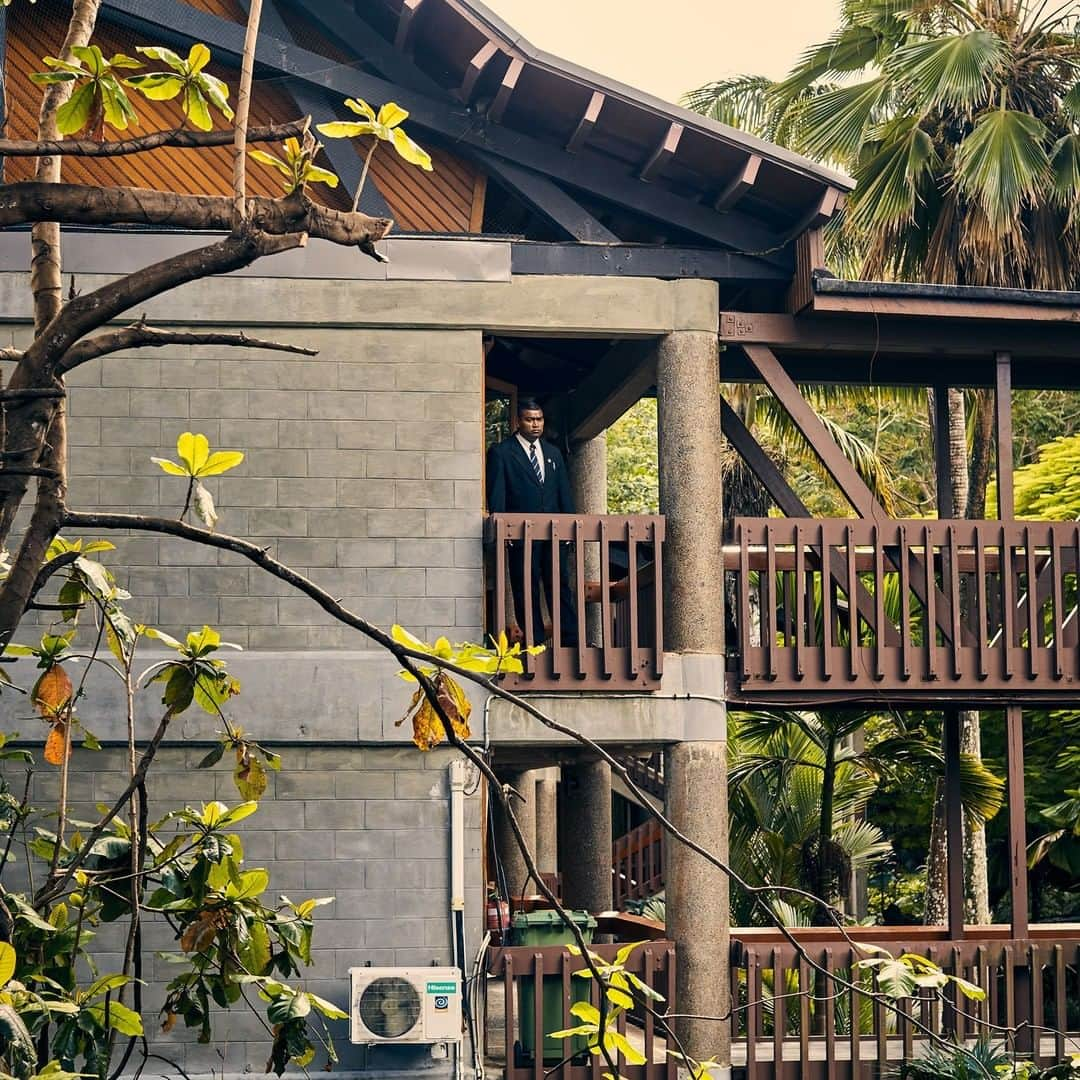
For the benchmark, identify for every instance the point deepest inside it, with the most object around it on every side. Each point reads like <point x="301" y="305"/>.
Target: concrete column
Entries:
<point x="547" y="818"/>
<point x="588" y="485"/>
<point x="585" y="858"/>
<point x="698" y="912"/>
<point x="688" y="418"/>
<point x="506" y="845"/>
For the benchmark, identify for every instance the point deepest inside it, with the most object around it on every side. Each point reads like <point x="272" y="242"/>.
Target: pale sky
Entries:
<point x="669" y="46"/>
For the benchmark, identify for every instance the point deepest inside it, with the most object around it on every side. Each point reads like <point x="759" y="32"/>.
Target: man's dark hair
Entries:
<point x="529" y="404"/>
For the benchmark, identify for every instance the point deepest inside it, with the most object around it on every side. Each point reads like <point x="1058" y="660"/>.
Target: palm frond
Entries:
<point x="742" y="101"/>
<point x="834" y="124"/>
<point x="954" y="70"/>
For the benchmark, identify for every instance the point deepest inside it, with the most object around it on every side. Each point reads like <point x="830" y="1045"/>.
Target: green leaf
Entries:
<point x="91" y="56"/>
<point x="118" y="110"/>
<point x="157" y="86"/>
<point x="328" y="1008"/>
<point x="216" y="92"/>
<point x="1003" y="164"/>
<point x="74" y="114"/>
<point x="250" y="778"/>
<point x="836" y="122"/>
<point x="105" y="983"/>
<point x="268" y="159"/>
<point x="212" y="758"/>
<point x="196" y="108"/>
<point x="252" y="883"/>
<point x="120" y="1018"/>
<point x="157" y="52"/>
<point x="237" y="813"/>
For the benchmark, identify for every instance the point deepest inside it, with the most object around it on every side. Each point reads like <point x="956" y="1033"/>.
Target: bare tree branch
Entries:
<point x="243" y="104"/>
<point x="182" y="138"/>
<point x="77" y="204"/>
<point x="140" y="336"/>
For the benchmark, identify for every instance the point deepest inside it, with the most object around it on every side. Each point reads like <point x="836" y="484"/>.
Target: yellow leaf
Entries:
<point x="7" y="962"/>
<point x="345" y="129"/>
<point x="198" y="57"/>
<point x="193" y="450"/>
<point x="410" y="151"/>
<point x="391" y="114"/>
<point x="170" y="466"/>
<point x="221" y="461"/>
<point x="403" y="637"/>
<point x="361" y="107"/>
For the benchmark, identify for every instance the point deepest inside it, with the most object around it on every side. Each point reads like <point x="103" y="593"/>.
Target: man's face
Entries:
<point x="531" y="424"/>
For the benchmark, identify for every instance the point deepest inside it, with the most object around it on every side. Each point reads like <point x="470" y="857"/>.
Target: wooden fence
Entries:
<point x="613" y="563"/>
<point x="961" y="608"/>
<point x="638" y="863"/>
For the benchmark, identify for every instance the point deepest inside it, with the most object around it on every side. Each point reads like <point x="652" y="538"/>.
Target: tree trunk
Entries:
<point x="935" y="912"/>
<point x="976" y="885"/>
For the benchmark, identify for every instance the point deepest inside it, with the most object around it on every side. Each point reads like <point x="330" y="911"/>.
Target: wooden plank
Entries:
<point x="636" y="658"/>
<point x="800" y="600"/>
<point x="476" y="210"/>
<point x="769" y="603"/>
<point x="954" y="818"/>
<point x="506" y="90"/>
<point x="853" y="608"/>
<point x="816" y="215"/>
<point x="406" y="24"/>
<point x="980" y="601"/>
<point x="663" y="153"/>
<point x="738" y="186"/>
<point x="475" y="68"/>
<point x="605" y="600"/>
<point x="586" y="123"/>
<point x="556" y="600"/>
<point x="619" y="380"/>
<point x="1017" y="825"/>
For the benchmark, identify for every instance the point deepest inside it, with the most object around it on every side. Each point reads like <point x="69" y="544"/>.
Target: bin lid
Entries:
<point x="549" y="917"/>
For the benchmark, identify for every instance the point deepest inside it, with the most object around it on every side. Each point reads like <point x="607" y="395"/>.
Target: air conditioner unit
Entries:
<point x="405" y="1005"/>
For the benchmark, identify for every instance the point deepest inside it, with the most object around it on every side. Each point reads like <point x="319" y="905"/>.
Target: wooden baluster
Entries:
<point x="509" y="1027"/>
<point x="957" y="619"/>
<point x="568" y="980"/>
<point x="830" y="1019"/>
<point x="658" y="593"/>
<point x="853" y="608"/>
<point x="1034" y="611"/>
<point x="744" y="601"/>
<point x="1008" y="609"/>
<point x="1061" y="1022"/>
<point x="556" y="603"/>
<point x="804" y="1014"/>
<point x="881" y="1035"/>
<point x="800" y="600"/>
<point x="605" y="598"/>
<point x="1058" y="600"/>
<point x="931" y="604"/>
<point x="769" y="603"/>
<point x="905" y="604"/>
<point x="648" y="964"/>
<point x="958" y="999"/>
<point x="1038" y="1016"/>
<point x="635" y="658"/>
<point x="980" y="601"/>
<point x="538" y="1016"/>
<point x="854" y="1001"/>
<point x="778" y="1012"/>
<point x="579" y="565"/>
<point x="788" y="603"/>
<point x="527" y="629"/>
<point x="879" y="610"/>
<point x="753" y="1012"/>
<point x="826" y="603"/>
<point x="906" y="1033"/>
<point x="669" y="995"/>
<point x="498" y="601"/>
<point x="1010" y="986"/>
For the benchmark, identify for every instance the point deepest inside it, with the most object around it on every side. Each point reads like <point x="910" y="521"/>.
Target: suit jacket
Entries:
<point x="512" y="486"/>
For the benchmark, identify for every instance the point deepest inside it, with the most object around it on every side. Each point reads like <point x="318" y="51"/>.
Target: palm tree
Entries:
<point x="960" y="122"/>
<point x="799" y="783"/>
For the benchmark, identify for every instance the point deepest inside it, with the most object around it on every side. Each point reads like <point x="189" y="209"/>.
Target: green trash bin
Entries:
<point x="540" y="929"/>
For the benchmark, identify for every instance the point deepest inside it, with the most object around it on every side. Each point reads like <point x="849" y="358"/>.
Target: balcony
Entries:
<point x="925" y="610"/>
<point x="610" y="567"/>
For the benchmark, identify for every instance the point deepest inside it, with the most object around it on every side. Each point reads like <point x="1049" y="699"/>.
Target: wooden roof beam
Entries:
<point x="586" y="123"/>
<point x="406" y="24"/>
<point x="817" y="215"/>
<point x="739" y="185"/>
<point x="484" y="55"/>
<point x="506" y="88"/>
<point x="663" y="153"/>
<point x="621" y="378"/>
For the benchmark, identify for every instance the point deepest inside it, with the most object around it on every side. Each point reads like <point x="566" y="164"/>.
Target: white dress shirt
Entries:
<point x="525" y="444"/>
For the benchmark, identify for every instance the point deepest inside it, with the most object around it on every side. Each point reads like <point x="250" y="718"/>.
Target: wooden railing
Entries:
<point x="638" y="863"/>
<point x="612" y="566"/>
<point x="818" y="1027"/>
<point x="653" y="963"/>
<point x="939" y="608"/>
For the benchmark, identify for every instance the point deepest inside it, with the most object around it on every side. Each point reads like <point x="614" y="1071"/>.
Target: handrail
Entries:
<point x="608" y="569"/>
<point x="850" y="606"/>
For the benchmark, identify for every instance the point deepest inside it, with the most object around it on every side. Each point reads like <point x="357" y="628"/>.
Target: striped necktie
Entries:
<point x="535" y="463"/>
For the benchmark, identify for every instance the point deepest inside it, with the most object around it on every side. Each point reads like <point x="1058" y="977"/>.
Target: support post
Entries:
<point x="514" y="869"/>
<point x="695" y="771"/>
<point x="588" y="486"/>
<point x="698" y="919"/>
<point x="1003" y="425"/>
<point x="1018" y="879"/>
<point x="954" y="826"/>
<point x="586" y="833"/>
<point x="547" y="834"/>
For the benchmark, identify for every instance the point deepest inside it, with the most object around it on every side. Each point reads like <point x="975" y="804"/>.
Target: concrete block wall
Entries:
<point x="367" y="826"/>
<point x="363" y="471"/>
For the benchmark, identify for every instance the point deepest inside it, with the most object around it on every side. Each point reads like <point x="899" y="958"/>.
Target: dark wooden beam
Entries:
<point x="3" y="79"/>
<point x="739" y="184"/>
<point x="1003" y="426"/>
<point x="664" y="152"/>
<point x="458" y="125"/>
<point x="586" y="123"/>
<point x="621" y="378"/>
<point x="640" y="260"/>
<point x="506" y="89"/>
<point x="954" y="827"/>
<point x="789" y="503"/>
<point x="484" y="55"/>
<point x="816" y="216"/>
<point x="406" y="24"/>
<point x="549" y="200"/>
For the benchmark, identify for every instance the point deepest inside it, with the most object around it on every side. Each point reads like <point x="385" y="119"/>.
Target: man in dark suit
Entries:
<point x="527" y="475"/>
